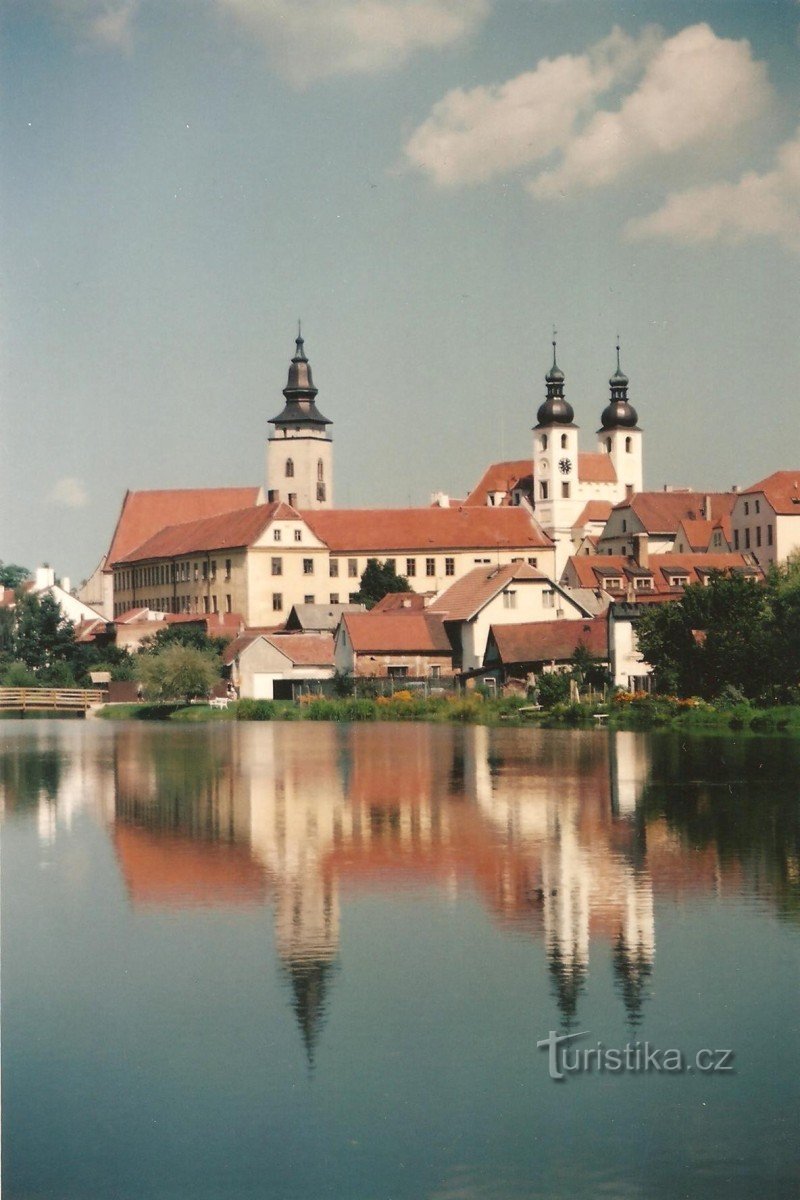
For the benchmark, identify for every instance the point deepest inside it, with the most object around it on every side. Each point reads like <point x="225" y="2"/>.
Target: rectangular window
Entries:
<point x="509" y="599"/>
<point x="449" y="566"/>
<point x="543" y="490"/>
<point x="205" y="603"/>
<point x="196" y="573"/>
<point x="758" y="535"/>
<point x="277" y="602"/>
<point x="352" y="568"/>
<point x="642" y="585"/>
<point x="758" y="506"/>
<point x="298" y="535"/>
<point x="548" y="598"/>
<point x="276" y="535"/>
<point x="334" y="568"/>
<point x="430" y="566"/>
<point x="746" y="509"/>
<point x="277" y="566"/>
<point x="565" y="491"/>
<point x="747" y="539"/>
<point x="769" y="535"/>
<point x="213" y="568"/>
<point x="334" y="598"/>
<point x="533" y="562"/>
<point x="214" y="605"/>
<point x="397" y="672"/>
<point x="205" y="570"/>
<point x="435" y="671"/>
<point x="308" y="600"/>
<point x="308" y="566"/>
<point x="227" y="568"/>
<point x="736" y="539"/>
<point x="228" y="602"/>
<point x="411" y="567"/>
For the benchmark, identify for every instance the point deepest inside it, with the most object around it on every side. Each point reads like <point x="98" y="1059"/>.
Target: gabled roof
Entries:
<point x="782" y="490"/>
<point x="403" y="602"/>
<point x="592" y="570"/>
<point x="317" y="617"/>
<point x="502" y="477"/>
<point x="144" y="513"/>
<point x="304" y="649"/>
<point x="593" y="510"/>
<point x="468" y="595"/>
<point x="416" y="530"/>
<point x="396" y="633"/>
<point x="228" y="531"/>
<point x="596" y="467"/>
<point x="549" y="641"/>
<point x="662" y="512"/>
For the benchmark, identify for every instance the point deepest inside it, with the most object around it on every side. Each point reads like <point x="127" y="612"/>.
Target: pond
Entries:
<point x="312" y="960"/>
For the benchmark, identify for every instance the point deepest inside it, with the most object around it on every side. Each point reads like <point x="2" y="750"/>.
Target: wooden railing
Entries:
<point x="49" y="699"/>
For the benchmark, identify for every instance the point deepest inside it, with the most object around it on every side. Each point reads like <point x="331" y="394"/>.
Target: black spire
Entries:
<point x="556" y="410"/>
<point x="300" y="392"/>
<point x="619" y="413"/>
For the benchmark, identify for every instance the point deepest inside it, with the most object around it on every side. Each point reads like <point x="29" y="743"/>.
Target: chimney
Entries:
<point x="641" y="551"/>
<point x="45" y="578"/>
<point x="66" y="583"/>
<point x="440" y="500"/>
<point x="707" y="507"/>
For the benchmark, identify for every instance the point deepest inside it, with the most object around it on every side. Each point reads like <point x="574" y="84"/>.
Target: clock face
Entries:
<point x="565" y="466"/>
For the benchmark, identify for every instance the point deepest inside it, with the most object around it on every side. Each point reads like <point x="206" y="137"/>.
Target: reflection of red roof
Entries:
<point x="144" y="513"/>
<point x="386" y="530"/>
<point x="782" y="490"/>
<point x="396" y="633"/>
<point x="226" y="531"/>
<point x="596" y="467"/>
<point x="662" y="512"/>
<point x="502" y="477"/>
<point x="550" y="641"/>
<point x="468" y="595"/>
<point x="167" y="868"/>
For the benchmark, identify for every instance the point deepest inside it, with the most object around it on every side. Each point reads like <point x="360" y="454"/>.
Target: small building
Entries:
<point x="658" y="515"/>
<point x="626" y="662"/>
<point x="260" y="660"/>
<point x="397" y="645"/>
<point x="318" y="618"/>
<point x="766" y="518"/>
<point x="520" y="651"/>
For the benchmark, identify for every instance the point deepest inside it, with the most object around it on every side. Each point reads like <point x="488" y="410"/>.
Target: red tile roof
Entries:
<point x="468" y="595"/>
<point x="502" y="477"/>
<point x="596" y="467"/>
<point x="394" y="530"/>
<point x="228" y="531"/>
<point x="591" y="569"/>
<point x="662" y="512"/>
<point x="550" y="641"/>
<point x="782" y="490"/>
<point x="403" y="602"/>
<point x="593" y="510"/>
<point x="304" y="649"/>
<point x="396" y="633"/>
<point x="144" y="513"/>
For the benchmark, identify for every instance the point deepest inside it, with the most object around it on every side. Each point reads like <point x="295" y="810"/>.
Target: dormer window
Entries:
<point x="643" y="584"/>
<point x="678" y="581"/>
<point x="614" y="584"/>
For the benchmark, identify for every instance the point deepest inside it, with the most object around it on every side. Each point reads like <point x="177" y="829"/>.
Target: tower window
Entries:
<point x="320" y="470"/>
<point x="628" y="445"/>
<point x="543" y="441"/>
<point x="565" y="491"/>
<point x="563" y="441"/>
<point x="608" y="445"/>
<point x="290" y="468"/>
<point x="543" y="490"/>
<point x="320" y="491"/>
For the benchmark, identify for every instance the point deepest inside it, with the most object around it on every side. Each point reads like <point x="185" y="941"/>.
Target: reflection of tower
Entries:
<point x="566" y="881"/>
<point x="307" y="937"/>
<point x="628" y="764"/>
<point x="634" y="948"/>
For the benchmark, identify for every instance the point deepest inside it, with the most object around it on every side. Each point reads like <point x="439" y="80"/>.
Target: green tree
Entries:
<point x="177" y="673"/>
<point x="11" y="575"/>
<point x="378" y="580"/>
<point x="587" y="670"/>
<point x="43" y="637"/>
<point x="184" y="635"/>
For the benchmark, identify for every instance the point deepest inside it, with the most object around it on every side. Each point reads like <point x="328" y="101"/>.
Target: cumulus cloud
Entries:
<point x="765" y="205"/>
<point x="696" y="89"/>
<point x="473" y="135"/>
<point x="69" y="492"/>
<point x="309" y="39"/>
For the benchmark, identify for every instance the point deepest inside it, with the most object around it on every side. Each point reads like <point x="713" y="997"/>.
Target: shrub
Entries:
<point x="255" y="710"/>
<point x="552" y="689"/>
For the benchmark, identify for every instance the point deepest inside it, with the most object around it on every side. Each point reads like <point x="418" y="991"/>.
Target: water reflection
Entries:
<point x="567" y="837"/>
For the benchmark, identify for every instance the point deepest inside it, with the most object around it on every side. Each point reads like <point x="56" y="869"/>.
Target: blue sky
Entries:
<point x="430" y="184"/>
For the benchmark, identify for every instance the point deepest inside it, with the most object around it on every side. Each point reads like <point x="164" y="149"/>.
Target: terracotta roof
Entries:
<point x="593" y="510"/>
<point x="662" y="512"/>
<point x="304" y="649"/>
<point x="502" y="477"/>
<point x="782" y="490"/>
<point x="394" y="530"/>
<point x="395" y="633"/>
<point x="596" y="467"/>
<point x="468" y="595"/>
<point x="403" y="602"/>
<point x="591" y="570"/>
<point x="242" y="640"/>
<point x="145" y="513"/>
<point x="550" y="641"/>
<point x="698" y="532"/>
<point x="227" y="531"/>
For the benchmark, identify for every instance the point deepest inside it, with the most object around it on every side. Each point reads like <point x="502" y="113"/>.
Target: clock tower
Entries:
<point x="556" y="501"/>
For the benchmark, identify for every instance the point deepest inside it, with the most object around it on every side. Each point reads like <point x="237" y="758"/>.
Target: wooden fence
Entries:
<point x="49" y="699"/>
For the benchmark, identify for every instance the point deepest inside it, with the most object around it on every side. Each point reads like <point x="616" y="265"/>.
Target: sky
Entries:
<point x="432" y="186"/>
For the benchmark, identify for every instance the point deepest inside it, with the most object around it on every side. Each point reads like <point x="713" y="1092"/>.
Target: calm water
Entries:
<point x="308" y="960"/>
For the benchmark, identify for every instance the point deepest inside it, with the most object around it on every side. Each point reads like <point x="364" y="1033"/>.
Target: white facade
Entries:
<point x="760" y="527"/>
<point x="300" y="467"/>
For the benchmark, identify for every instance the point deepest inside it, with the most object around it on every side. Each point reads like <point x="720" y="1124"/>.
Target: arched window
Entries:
<point x="608" y="445"/>
<point x="321" y="469"/>
<point x="563" y="441"/>
<point x="628" y="445"/>
<point x="290" y="468"/>
<point x="544" y="441"/>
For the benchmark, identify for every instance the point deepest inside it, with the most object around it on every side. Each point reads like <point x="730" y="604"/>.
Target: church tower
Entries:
<point x="620" y="437"/>
<point x="555" y="465"/>
<point x="300" y="450"/>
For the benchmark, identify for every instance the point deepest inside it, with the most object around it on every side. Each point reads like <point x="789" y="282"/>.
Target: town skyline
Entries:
<point x="184" y="186"/>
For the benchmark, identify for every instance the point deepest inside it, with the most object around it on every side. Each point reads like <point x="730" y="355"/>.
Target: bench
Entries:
<point x="219" y="702"/>
<point x="601" y="718"/>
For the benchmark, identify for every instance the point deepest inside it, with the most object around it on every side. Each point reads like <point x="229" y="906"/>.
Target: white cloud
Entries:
<point x="472" y="135"/>
<point x="697" y="89"/>
<point x="108" y="23"/>
<point x="309" y="39"/>
<point x="69" y="493"/>
<point x="765" y="205"/>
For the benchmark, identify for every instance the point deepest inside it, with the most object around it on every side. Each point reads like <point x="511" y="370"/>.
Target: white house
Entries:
<point x="259" y="660"/>
<point x="766" y="518"/>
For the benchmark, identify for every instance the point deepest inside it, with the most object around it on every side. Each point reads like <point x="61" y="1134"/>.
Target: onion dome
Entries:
<point x="619" y="413"/>
<point x="556" y="409"/>
<point x="300" y="392"/>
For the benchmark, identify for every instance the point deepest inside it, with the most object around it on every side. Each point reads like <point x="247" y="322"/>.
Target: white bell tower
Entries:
<point x="300" y="451"/>
<point x="620" y="437"/>
<point x="555" y="466"/>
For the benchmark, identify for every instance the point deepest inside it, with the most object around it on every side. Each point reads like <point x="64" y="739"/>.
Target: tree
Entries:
<point x="43" y="637"/>
<point x="11" y="575"/>
<point x="187" y="634"/>
<point x="587" y="669"/>
<point x="378" y="580"/>
<point x="177" y="673"/>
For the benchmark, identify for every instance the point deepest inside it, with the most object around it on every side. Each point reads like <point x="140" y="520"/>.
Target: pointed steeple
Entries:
<point x="300" y="392"/>
<point x="309" y="983"/>
<point x="555" y="410"/>
<point x="619" y="413"/>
